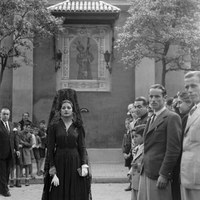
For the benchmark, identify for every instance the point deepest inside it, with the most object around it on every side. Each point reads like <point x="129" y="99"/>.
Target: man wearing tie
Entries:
<point x="7" y="145"/>
<point x="162" y="146"/>
<point x="190" y="161"/>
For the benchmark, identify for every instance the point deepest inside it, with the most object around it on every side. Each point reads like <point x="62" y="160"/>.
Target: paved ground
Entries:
<point x="101" y="173"/>
<point x="114" y="191"/>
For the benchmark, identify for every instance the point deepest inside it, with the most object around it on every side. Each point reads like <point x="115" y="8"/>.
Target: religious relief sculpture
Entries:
<point x="84" y="59"/>
<point x="83" y="63"/>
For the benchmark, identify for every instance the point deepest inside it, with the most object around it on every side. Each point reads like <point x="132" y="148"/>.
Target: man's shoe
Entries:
<point x="12" y="183"/>
<point x="128" y="188"/>
<point x="27" y="182"/>
<point x="18" y="184"/>
<point x="6" y="194"/>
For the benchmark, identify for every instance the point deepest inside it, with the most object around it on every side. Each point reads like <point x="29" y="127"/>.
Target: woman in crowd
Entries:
<point x="126" y="148"/>
<point x="26" y="142"/>
<point x="66" y="161"/>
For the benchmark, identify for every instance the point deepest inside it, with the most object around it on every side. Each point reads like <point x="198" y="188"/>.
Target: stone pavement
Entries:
<point x="113" y="191"/>
<point x="109" y="173"/>
<point x="101" y="173"/>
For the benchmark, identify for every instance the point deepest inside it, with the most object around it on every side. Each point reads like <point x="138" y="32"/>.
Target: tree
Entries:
<point x="23" y="23"/>
<point x="155" y="27"/>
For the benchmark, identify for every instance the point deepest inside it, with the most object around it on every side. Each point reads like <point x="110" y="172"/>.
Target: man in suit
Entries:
<point x="162" y="146"/>
<point x="141" y="110"/>
<point x="7" y="145"/>
<point x="25" y="118"/>
<point x="184" y="105"/>
<point x="190" y="161"/>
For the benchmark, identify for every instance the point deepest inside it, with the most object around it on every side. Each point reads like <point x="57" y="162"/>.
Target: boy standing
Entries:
<point x="126" y="147"/>
<point x="134" y="172"/>
<point x="42" y="149"/>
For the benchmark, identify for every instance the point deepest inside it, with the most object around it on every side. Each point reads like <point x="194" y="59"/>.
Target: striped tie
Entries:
<point x="7" y="127"/>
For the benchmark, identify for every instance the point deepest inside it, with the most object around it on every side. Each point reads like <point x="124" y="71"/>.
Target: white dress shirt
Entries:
<point x="6" y="124"/>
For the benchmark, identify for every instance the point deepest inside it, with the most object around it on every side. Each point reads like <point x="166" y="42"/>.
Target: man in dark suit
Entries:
<point x="162" y="146"/>
<point x="141" y="110"/>
<point x="7" y="145"/>
<point x="25" y="118"/>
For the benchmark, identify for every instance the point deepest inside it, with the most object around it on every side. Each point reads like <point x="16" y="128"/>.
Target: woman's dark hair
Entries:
<point x="64" y="95"/>
<point x="67" y="101"/>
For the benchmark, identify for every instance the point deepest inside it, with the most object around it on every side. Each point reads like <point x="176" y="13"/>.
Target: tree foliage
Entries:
<point x="22" y="24"/>
<point x="154" y="27"/>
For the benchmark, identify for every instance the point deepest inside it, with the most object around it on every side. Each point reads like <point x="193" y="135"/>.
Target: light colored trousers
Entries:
<point x="189" y="194"/>
<point x="149" y="191"/>
<point x="134" y="194"/>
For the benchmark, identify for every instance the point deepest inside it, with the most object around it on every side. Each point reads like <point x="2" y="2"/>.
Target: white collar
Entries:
<point x="160" y="111"/>
<point x="139" y="146"/>
<point x="5" y="122"/>
<point x="197" y="105"/>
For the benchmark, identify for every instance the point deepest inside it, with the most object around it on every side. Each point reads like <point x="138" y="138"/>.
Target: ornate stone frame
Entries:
<point x="99" y="33"/>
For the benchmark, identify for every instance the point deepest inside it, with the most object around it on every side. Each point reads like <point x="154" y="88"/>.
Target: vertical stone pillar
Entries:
<point x="22" y="94"/>
<point x="144" y="77"/>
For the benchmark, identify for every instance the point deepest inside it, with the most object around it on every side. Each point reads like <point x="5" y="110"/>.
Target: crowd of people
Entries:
<point x="160" y="146"/>
<point x="61" y="145"/>
<point x="161" y="143"/>
<point x="22" y="144"/>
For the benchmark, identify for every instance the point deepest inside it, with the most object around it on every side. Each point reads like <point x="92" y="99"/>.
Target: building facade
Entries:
<point x="76" y="59"/>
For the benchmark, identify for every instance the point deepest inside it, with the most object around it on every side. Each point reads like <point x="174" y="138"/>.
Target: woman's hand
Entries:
<point x="55" y="181"/>
<point x="84" y="169"/>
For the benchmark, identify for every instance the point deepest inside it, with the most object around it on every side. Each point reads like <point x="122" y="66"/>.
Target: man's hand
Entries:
<point x="126" y="156"/>
<point x="162" y="182"/>
<point x="18" y="154"/>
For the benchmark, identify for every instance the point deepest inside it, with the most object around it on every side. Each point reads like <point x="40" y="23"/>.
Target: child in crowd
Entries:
<point x="19" y="162"/>
<point x="43" y="136"/>
<point x="26" y="141"/>
<point x="36" y="146"/>
<point x="134" y="172"/>
<point x="17" y="159"/>
<point x="126" y="147"/>
<point x="32" y="154"/>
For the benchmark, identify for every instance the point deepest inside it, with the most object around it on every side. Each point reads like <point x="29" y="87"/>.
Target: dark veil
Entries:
<point x="61" y="95"/>
<point x="54" y="117"/>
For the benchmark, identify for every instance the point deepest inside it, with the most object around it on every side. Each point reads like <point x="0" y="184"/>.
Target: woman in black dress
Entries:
<point x="66" y="154"/>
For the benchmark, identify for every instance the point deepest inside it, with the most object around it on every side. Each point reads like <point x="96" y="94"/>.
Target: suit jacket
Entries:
<point x="8" y="142"/>
<point x="162" y="145"/>
<point x="190" y="161"/>
<point x="142" y="120"/>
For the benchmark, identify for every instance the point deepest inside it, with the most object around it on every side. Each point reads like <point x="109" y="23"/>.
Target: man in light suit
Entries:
<point x="8" y="143"/>
<point x="162" y="146"/>
<point x="190" y="161"/>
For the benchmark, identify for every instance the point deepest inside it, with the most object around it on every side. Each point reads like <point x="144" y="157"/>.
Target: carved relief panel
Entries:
<point x="83" y="67"/>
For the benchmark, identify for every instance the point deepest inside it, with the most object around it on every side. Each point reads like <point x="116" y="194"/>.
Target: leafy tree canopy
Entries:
<point x="23" y="21"/>
<point x="154" y="26"/>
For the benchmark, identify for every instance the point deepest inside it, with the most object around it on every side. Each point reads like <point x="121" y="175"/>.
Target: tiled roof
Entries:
<point x="84" y="7"/>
